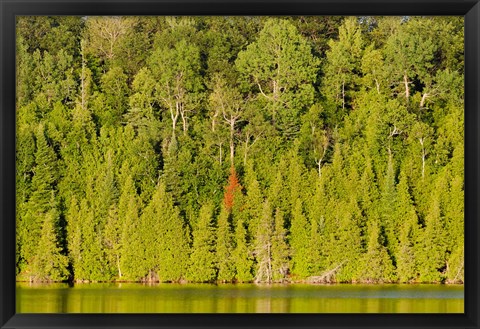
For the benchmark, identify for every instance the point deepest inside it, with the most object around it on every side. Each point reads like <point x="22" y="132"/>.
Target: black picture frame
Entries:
<point x="9" y="9"/>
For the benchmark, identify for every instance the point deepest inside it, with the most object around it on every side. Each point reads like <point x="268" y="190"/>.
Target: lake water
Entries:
<point x="242" y="298"/>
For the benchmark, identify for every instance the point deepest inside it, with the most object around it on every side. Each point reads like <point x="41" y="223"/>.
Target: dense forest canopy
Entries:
<point x="240" y="149"/>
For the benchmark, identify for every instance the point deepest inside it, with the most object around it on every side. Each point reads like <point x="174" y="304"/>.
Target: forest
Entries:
<point x="261" y="149"/>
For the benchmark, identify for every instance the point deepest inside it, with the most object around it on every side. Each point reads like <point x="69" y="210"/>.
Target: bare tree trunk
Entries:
<point x="424" y="97"/>
<point x="378" y="86"/>
<point x="245" y="153"/>
<point x="83" y="86"/>
<point x="423" y="156"/>
<point x="269" y="271"/>
<point x="184" y="122"/>
<point x="232" y="146"/>
<point x="320" y="167"/>
<point x="407" y="89"/>
<point x="118" y="266"/>
<point x="247" y="147"/>
<point x="174" y="116"/>
<point x="214" y="121"/>
<point x="220" y="150"/>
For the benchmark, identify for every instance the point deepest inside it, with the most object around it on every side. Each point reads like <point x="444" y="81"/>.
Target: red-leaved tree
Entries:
<point x="231" y="189"/>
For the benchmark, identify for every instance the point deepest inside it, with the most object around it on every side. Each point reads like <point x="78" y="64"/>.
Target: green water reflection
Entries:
<point x="245" y="298"/>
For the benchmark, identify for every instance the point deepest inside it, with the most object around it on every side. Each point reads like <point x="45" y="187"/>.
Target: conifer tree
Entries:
<point x="165" y="242"/>
<point x="50" y="262"/>
<point x="129" y="205"/>
<point x="408" y="235"/>
<point x="74" y="236"/>
<point x="242" y="253"/>
<point x="225" y="247"/>
<point x="433" y="244"/>
<point x="376" y="265"/>
<point x="202" y="266"/>
<point x="39" y="205"/>
<point x="231" y="190"/>
<point x="280" y="248"/>
<point x="263" y="245"/>
<point x="299" y="241"/>
<point x="92" y="262"/>
<point x="112" y="239"/>
<point x="253" y="204"/>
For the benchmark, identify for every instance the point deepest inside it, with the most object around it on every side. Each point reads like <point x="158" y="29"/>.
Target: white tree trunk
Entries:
<point x="407" y="89"/>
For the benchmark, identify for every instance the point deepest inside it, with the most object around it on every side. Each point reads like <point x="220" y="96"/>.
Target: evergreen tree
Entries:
<point x="50" y="263"/>
<point x="39" y="205"/>
<point x="263" y="246"/>
<point x="231" y="190"/>
<point x="225" y="247"/>
<point x="131" y="240"/>
<point x="242" y="254"/>
<point x="280" y="248"/>
<point x="299" y="241"/>
<point x="202" y="259"/>
<point x="433" y="244"/>
<point x="165" y="242"/>
<point x="408" y="235"/>
<point x="376" y="265"/>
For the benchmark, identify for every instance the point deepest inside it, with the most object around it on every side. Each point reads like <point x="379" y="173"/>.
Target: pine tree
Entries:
<point x="39" y="205"/>
<point x="50" y="263"/>
<point x="252" y="206"/>
<point x="225" y="247"/>
<point x="165" y="239"/>
<point x="242" y="253"/>
<point x="129" y="205"/>
<point x="390" y="222"/>
<point x="280" y="248"/>
<point x="299" y="241"/>
<point x="130" y="262"/>
<point x="74" y="236"/>
<point x="376" y="265"/>
<point x="432" y="245"/>
<point x="112" y="239"/>
<point x="202" y="259"/>
<point x="263" y="245"/>
<point x="408" y="235"/>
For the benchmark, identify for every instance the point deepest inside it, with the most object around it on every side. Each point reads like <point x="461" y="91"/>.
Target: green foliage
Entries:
<point x="299" y="242"/>
<point x="376" y="265"/>
<point x="167" y="257"/>
<point x="49" y="264"/>
<point x="202" y="259"/>
<point x="280" y="68"/>
<point x="263" y="246"/>
<point x="240" y="149"/>
<point x="343" y="63"/>
<point x="242" y="254"/>
<point x="280" y="249"/>
<point x="225" y="247"/>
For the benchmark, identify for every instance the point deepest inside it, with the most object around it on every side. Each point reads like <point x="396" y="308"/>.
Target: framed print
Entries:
<point x="239" y="164"/>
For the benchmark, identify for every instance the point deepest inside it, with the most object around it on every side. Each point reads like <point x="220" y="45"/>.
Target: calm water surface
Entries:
<point x="244" y="298"/>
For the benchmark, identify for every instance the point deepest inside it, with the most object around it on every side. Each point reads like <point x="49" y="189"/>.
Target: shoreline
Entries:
<point x="244" y="283"/>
